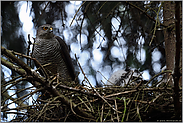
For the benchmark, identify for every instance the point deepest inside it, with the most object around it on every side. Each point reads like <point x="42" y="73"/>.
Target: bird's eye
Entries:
<point x="45" y="28"/>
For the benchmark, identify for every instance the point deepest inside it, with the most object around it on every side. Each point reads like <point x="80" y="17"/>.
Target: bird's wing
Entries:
<point x="66" y="57"/>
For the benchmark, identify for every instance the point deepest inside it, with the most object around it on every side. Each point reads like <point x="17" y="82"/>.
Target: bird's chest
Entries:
<point x="46" y="47"/>
<point x="47" y="50"/>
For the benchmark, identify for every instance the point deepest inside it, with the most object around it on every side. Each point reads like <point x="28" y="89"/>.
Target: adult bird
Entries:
<point x="52" y="52"/>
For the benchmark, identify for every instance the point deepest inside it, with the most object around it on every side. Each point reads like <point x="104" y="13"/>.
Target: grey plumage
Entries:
<point x="52" y="49"/>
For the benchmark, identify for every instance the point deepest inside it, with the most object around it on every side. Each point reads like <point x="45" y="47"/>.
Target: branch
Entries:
<point x="13" y="67"/>
<point x="10" y="55"/>
<point x="145" y="13"/>
<point x="34" y="78"/>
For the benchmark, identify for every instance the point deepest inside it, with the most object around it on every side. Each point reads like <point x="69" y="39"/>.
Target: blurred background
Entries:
<point x="105" y="36"/>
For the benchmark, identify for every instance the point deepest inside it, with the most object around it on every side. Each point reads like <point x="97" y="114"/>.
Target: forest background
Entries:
<point x="104" y="36"/>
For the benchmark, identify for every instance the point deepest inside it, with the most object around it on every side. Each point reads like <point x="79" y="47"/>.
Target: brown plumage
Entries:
<point x="52" y="49"/>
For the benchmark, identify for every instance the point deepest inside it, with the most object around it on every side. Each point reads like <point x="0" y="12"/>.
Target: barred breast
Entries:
<point x="48" y="51"/>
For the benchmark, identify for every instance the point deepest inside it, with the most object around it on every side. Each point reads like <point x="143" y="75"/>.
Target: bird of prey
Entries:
<point x="52" y="52"/>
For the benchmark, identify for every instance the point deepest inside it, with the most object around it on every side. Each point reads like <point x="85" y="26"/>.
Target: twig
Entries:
<point x="144" y="13"/>
<point x="33" y="46"/>
<point x="42" y="13"/>
<point x="157" y="17"/>
<point x="84" y="103"/>
<point x="93" y="87"/>
<point x="20" y="54"/>
<point x="44" y="107"/>
<point x="77" y="12"/>
<point x="132" y="91"/>
<point x="10" y="81"/>
<point x="116" y="109"/>
<point x="42" y="68"/>
<point x="17" y="100"/>
<point x="28" y="48"/>
<point x="101" y="116"/>
<point x="14" y="83"/>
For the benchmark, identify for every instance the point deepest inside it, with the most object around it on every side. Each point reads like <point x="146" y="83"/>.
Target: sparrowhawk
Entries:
<point x="52" y="51"/>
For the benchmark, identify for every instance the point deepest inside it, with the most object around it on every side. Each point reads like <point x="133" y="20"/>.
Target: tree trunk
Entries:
<point x="169" y="36"/>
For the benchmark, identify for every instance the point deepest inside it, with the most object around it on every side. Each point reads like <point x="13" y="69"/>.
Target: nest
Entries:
<point x="133" y="102"/>
<point x="60" y="101"/>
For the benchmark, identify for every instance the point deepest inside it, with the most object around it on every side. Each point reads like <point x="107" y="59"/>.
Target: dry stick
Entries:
<point x="103" y="76"/>
<point x="84" y="103"/>
<point x="22" y="106"/>
<point x="33" y="46"/>
<point x="71" y="105"/>
<point x="167" y="71"/>
<point x="17" y="100"/>
<point x="116" y="109"/>
<point x="76" y="90"/>
<point x="66" y="116"/>
<point x="93" y="87"/>
<point x="77" y="12"/>
<point x="81" y="23"/>
<point x="112" y="9"/>
<point x="81" y="29"/>
<point x="44" y="71"/>
<point x="4" y="107"/>
<point x="90" y="105"/>
<point x="10" y="81"/>
<point x="44" y="108"/>
<point x="20" y="54"/>
<point x="132" y="91"/>
<point x="29" y="43"/>
<point x="12" y="84"/>
<point x="101" y="7"/>
<point x="102" y="113"/>
<point x="157" y="17"/>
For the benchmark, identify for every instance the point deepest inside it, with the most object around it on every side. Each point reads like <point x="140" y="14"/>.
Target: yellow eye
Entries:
<point x="51" y="29"/>
<point x="45" y="28"/>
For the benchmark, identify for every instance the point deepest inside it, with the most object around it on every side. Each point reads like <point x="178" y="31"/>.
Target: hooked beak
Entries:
<point x="50" y="30"/>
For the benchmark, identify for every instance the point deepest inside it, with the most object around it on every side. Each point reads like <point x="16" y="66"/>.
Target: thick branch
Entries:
<point x="10" y="55"/>
<point x="13" y="67"/>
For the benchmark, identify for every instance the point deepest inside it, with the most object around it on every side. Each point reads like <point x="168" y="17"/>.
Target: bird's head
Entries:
<point x="45" y="31"/>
